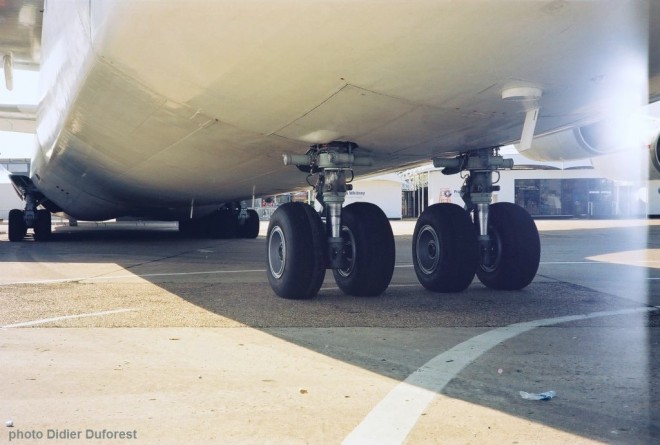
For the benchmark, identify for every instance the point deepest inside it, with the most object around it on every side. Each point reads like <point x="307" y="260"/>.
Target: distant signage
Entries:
<point x="445" y="195"/>
<point x="356" y="194"/>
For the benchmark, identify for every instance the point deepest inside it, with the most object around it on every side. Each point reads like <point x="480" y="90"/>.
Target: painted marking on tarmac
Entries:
<point x="64" y="317"/>
<point x="214" y="272"/>
<point x="601" y="262"/>
<point x="174" y="274"/>
<point x="147" y="275"/>
<point x="570" y="262"/>
<point x="391" y="420"/>
<point x="391" y="285"/>
<point x="118" y="277"/>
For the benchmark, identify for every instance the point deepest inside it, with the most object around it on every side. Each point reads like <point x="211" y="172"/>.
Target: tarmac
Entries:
<point x="130" y="333"/>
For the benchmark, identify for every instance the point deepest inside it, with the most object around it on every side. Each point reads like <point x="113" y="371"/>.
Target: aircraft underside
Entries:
<point x="192" y="120"/>
<point x="498" y="242"/>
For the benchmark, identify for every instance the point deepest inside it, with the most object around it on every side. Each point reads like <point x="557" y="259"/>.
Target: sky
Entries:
<point x="25" y="92"/>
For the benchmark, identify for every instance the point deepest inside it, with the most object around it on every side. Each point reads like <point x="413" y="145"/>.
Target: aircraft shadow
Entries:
<point x="410" y="325"/>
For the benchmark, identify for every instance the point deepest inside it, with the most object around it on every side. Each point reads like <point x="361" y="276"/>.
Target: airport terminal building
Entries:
<point x="8" y="197"/>
<point x="544" y="191"/>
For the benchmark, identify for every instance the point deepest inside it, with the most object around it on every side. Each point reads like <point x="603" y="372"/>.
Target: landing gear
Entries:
<point x="224" y="223"/>
<point x="356" y="241"/>
<point x="39" y="220"/>
<point x="499" y="242"/>
<point x="221" y="224"/>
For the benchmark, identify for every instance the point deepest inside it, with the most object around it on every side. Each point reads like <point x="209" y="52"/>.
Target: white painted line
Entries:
<point x="214" y="272"/>
<point x="53" y="281"/>
<point x="118" y="277"/>
<point x="391" y="285"/>
<point x="173" y="274"/>
<point x="64" y="317"/>
<point x="394" y="417"/>
<point x="602" y="262"/>
<point x="572" y="262"/>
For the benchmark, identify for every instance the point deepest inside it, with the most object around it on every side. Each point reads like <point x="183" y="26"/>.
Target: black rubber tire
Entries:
<point x="222" y="224"/>
<point x="188" y="227"/>
<point x="17" y="228"/>
<point x="445" y="249"/>
<point x="295" y="251"/>
<point x="42" y="226"/>
<point x="250" y="229"/>
<point x="517" y="248"/>
<point x="371" y="254"/>
<point x="199" y="228"/>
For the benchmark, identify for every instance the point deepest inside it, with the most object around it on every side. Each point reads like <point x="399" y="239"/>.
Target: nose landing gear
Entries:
<point x="39" y="220"/>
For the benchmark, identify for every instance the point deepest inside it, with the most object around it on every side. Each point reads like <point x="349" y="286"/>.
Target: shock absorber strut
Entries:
<point x="332" y="162"/>
<point x="477" y="192"/>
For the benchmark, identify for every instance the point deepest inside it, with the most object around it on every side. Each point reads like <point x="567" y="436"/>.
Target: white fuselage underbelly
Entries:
<point x="149" y="107"/>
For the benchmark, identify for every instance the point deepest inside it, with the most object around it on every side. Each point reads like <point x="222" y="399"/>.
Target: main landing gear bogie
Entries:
<point x="447" y="252"/>
<point x="223" y="224"/>
<point x="296" y="251"/>
<point x="355" y="241"/>
<point x="39" y="221"/>
<point x="498" y="242"/>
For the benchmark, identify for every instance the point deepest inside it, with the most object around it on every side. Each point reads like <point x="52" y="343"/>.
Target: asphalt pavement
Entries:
<point x="130" y="333"/>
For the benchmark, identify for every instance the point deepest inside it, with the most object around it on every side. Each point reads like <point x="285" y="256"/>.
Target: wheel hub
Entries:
<point x="349" y="252"/>
<point x="277" y="252"/>
<point x="428" y="250"/>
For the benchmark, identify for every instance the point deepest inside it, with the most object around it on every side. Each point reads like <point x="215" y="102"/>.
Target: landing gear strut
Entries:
<point x="355" y="241"/>
<point x="500" y="242"/>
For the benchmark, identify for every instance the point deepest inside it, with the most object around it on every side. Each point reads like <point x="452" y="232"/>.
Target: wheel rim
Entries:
<point x="428" y="250"/>
<point x="496" y="252"/>
<point x="277" y="252"/>
<point x="349" y="243"/>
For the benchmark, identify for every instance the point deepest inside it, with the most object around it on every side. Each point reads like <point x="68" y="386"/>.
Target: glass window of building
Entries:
<point x="578" y="198"/>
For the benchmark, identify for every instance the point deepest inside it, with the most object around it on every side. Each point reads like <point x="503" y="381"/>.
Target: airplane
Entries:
<point x="181" y="109"/>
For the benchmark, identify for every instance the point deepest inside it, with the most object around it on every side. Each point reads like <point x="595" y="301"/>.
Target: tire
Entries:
<point x="516" y="248"/>
<point x="445" y="248"/>
<point x="370" y="248"/>
<point x="187" y="227"/>
<point x="295" y="251"/>
<point x="17" y="228"/>
<point x="42" y="226"/>
<point x="221" y="224"/>
<point x="250" y="229"/>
